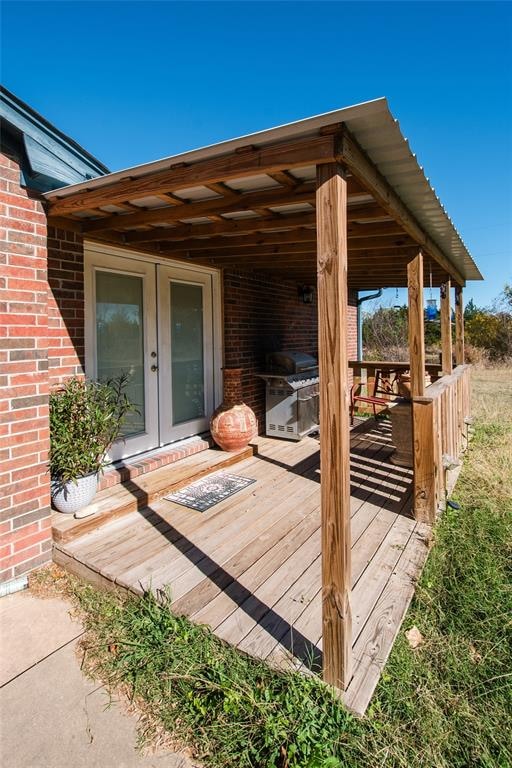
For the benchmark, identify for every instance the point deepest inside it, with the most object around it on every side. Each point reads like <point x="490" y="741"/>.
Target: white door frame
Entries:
<point x="97" y="255"/>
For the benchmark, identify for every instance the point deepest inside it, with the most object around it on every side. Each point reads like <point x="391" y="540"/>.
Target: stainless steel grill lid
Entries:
<point x="287" y="362"/>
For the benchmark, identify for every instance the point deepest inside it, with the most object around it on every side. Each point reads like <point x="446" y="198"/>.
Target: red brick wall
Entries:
<point x="352" y="326"/>
<point x="25" y="537"/>
<point x="262" y="313"/>
<point x="65" y="305"/>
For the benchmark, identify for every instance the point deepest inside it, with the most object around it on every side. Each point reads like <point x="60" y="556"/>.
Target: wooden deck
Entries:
<point x="250" y="566"/>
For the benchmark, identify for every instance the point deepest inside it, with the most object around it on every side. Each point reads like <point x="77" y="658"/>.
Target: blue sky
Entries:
<point x="135" y="81"/>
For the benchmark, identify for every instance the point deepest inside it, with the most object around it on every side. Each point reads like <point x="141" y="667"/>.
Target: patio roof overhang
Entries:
<point x="249" y="203"/>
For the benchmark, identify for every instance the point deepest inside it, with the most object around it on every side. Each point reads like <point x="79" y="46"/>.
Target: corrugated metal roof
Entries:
<point x="377" y="132"/>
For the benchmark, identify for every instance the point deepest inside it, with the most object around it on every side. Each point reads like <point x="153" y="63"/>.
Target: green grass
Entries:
<point x="446" y="704"/>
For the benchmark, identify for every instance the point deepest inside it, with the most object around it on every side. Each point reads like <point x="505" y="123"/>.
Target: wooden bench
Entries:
<point x="385" y="390"/>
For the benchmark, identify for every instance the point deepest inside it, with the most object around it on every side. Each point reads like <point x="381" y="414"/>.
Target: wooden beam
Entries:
<point x="59" y="222"/>
<point x="222" y="189"/>
<point x="229" y="202"/>
<point x="366" y="212"/>
<point x="386" y="234"/>
<point x="331" y="205"/>
<point x="351" y="154"/>
<point x="416" y="325"/>
<point x="446" y="329"/>
<point x="267" y="159"/>
<point x="305" y="193"/>
<point x="168" y="197"/>
<point x="387" y="261"/>
<point x="252" y="240"/>
<point x="244" y="243"/>
<point x="459" y="326"/>
<point x="238" y="226"/>
<point x="245" y="253"/>
<point x="386" y="271"/>
<point x="285" y="178"/>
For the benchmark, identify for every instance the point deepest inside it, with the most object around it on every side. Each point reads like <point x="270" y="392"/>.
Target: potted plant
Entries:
<point x="86" y="417"/>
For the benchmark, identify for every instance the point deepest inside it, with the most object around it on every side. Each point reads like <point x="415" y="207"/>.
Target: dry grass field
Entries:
<point x="492" y="393"/>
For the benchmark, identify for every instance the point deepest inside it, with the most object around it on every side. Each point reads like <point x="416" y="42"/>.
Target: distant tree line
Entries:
<point x="488" y="332"/>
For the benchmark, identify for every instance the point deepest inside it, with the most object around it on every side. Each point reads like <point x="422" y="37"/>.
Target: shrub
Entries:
<point x="86" y="417"/>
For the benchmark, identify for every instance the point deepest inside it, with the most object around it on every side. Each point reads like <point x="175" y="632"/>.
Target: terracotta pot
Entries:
<point x="404" y="384"/>
<point x="233" y="425"/>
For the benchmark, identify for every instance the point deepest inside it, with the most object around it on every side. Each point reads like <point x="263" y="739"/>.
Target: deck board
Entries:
<point x="250" y="567"/>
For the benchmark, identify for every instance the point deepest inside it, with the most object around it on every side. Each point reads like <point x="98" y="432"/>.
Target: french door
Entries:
<point x="158" y="324"/>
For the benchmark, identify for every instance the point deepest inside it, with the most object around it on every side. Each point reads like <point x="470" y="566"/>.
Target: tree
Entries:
<point x="491" y="329"/>
<point x="470" y="310"/>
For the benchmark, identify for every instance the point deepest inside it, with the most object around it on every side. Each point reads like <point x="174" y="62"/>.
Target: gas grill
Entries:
<point x="292" y="396"/>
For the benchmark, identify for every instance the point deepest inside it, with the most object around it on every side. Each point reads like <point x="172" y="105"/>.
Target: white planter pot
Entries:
<point x="70" y="497"/>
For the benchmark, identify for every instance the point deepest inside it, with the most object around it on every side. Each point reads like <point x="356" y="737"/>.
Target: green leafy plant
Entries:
<point x="86" y="417"/>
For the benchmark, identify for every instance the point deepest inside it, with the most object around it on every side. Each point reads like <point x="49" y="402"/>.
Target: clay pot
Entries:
<point x="233" y="425"/>
<point x="404" y="384"/>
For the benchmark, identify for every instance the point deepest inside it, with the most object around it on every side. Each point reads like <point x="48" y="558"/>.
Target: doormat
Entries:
<point x="208" y="491"/>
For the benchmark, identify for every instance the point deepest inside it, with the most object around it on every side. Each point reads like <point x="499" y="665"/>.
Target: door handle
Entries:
<point x="154" y="368"/>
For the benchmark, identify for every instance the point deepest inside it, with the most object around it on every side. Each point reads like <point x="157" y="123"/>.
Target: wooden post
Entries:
<point x="422" y="412"/>
<point x="446" y="329"/>
<point x="416" y="325"/>
<point x="331" y="209"/>
<point x="459" y="326"/>
<point x="424" y="460"/>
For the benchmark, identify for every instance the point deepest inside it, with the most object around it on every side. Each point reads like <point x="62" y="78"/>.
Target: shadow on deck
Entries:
<point x="250" y="567"/>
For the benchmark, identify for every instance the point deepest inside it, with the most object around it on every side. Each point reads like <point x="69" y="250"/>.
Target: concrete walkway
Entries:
<point x="51" y="716"/>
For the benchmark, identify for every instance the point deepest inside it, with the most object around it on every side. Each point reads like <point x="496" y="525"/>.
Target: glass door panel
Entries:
<point x="187" y="352"/>
<point x="120" y="338"/>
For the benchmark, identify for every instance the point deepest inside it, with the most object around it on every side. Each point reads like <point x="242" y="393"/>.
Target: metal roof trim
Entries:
<point x="296" y="129"/>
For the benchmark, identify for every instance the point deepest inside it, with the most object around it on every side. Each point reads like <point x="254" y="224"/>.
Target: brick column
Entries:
<point x="66" y="303"/>
<point x="25" y="531"/>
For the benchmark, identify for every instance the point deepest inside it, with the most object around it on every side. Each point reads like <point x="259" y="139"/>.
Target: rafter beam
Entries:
<point x="285" y="178"/>
<point x="358" y="233"/>
<point x="280" y="242"/>
<point x="240" y="226"/>
<point x="234" y="202"/>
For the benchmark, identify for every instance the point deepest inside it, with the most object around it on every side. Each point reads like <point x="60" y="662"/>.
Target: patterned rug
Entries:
<point x="208" y="491"/>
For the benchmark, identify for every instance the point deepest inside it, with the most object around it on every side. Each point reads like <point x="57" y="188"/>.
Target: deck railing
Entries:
<point x="439" y="424"/>
<point x="440" y="436"/>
